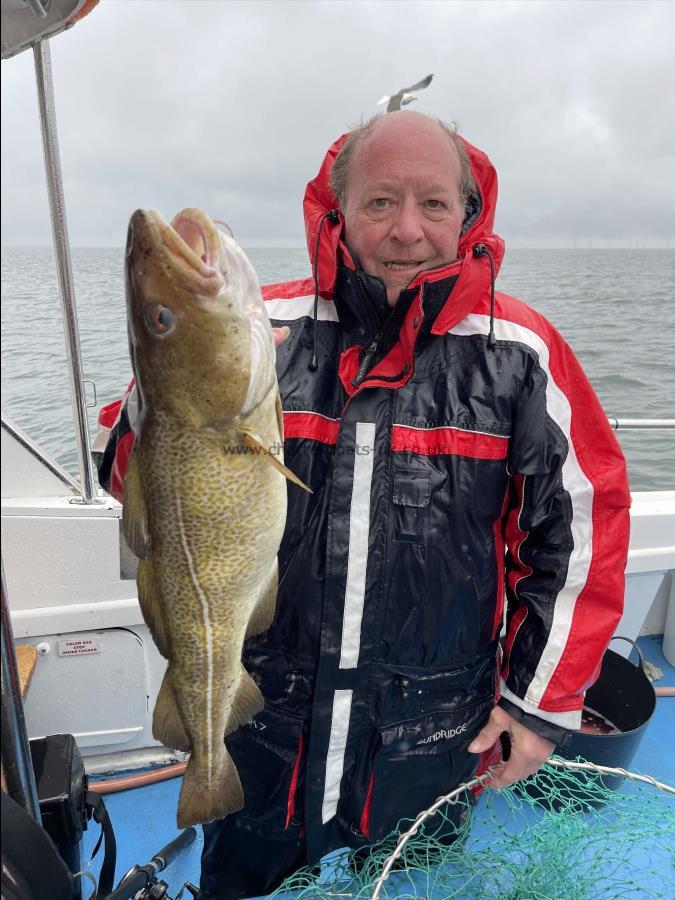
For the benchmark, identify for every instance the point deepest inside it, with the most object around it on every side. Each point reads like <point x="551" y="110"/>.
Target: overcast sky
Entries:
<point x="230" y="106"/>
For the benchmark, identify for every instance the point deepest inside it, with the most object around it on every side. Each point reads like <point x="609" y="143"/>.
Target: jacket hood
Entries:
<point x="473" y="281"/>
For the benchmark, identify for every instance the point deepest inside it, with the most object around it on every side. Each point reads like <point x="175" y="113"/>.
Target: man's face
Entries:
<point x="403" y="211"/>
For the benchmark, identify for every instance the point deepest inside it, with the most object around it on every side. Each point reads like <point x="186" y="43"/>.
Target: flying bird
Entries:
<point x="405" y="95"/>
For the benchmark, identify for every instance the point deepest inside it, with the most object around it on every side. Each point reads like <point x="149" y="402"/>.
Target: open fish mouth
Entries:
<point x="191" y="241"/>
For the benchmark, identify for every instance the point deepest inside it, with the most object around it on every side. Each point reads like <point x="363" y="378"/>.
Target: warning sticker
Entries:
<point x="81" y="647"/>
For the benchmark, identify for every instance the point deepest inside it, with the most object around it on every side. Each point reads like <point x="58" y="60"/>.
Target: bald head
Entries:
<point x="401" y="197"/>
<point x="391" y="129"/>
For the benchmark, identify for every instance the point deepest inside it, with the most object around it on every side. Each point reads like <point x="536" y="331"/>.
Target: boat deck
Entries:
<point x="144" y="819"/>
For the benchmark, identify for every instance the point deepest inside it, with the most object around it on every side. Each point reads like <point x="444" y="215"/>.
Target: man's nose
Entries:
<point x="407" y="224"/>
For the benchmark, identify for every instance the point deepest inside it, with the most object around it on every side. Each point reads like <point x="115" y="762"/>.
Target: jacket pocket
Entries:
<point x="408" y="693"/>
<point x="416" y="762"/>
<point x="268" y="756"/>
<point x="437" y="732"/>
<point x="425" y="719"/>
<point x="411" y="493"/>
<point x="407" y="558"/>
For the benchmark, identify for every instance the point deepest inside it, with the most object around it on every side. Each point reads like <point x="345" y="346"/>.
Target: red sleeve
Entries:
<point x="113" y="419"/>
<point x="566" y="531"/>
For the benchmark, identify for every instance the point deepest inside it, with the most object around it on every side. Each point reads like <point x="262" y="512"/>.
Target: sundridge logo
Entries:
<point x="444" y="734"/>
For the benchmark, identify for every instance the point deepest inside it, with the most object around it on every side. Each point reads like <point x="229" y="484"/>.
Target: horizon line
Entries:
<point x="664" y="244"/>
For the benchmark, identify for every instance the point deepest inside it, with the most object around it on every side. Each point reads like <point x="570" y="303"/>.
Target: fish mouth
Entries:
<point x="191" y="242"/>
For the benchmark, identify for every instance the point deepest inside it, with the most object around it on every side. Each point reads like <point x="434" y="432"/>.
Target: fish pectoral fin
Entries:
<point x="204" y="799"/>
<point x="167" y="725"/>
<point x="253" y="442"/>
<point x="151" y="607"/>
<point x="263" y="614"/>
<point x="248" y="702"/>
<point x="134" y="513"/>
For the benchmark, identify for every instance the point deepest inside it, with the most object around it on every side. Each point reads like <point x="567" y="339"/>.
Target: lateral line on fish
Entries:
<point x="209" y="636"/>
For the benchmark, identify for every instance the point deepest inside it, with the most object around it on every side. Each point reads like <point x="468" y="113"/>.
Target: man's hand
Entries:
<point x="280" y="335"/>
<point x="528" y="750"/>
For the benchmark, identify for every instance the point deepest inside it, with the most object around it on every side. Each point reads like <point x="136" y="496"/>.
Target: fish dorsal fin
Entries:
<point x="253" y="442"/>
<point x="134" y="513"/>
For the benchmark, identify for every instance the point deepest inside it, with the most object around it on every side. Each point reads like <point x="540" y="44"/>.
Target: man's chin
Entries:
<point x="394" y="286"/>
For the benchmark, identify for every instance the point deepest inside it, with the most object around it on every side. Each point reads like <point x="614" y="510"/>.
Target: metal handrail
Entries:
<point x="50" y="146"/>
<point x="641" y="424"/>
<point x="37" y="8"/>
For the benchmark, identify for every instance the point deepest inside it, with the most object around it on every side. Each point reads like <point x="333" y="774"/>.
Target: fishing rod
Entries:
<point x="141" y="883"/>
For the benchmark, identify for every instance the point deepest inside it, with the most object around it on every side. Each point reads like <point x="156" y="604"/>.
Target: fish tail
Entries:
<point x="167" y="724"/>
<point x="204" y="799"/>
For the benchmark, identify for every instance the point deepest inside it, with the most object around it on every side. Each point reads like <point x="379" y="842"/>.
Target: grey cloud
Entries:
<point x="230" y="106"/>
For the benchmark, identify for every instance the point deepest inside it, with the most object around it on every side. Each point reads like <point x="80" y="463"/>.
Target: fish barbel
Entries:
<point x="205" y="496"/>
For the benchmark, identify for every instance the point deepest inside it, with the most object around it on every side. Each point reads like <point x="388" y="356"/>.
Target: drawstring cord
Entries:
<point x="478" y="251"/>
<point x="333" y="217"/>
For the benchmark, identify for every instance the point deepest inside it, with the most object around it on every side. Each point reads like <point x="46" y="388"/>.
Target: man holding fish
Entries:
<point x="456" y="457"/>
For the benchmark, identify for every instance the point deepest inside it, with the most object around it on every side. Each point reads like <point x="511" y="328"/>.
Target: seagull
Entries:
<point x="405" y="95"/>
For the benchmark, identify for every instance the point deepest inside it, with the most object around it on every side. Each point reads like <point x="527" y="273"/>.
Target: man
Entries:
<point x="457" y="454"/>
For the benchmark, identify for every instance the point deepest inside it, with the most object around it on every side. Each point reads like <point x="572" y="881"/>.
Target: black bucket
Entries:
<point x="624" y="697"/>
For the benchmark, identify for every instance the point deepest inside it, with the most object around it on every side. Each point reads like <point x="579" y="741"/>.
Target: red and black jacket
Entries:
<point x="450" y="474"/>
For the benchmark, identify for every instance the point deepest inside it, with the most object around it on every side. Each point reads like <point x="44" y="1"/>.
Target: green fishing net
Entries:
<point x="563" y="834"/>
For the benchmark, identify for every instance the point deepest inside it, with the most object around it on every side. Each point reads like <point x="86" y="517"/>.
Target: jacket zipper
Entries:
<point x="374" y="344"/>
<point x="365" y="362"/>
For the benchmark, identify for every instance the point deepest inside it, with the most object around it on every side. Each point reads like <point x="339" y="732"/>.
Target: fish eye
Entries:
<point x="160" y="319"/>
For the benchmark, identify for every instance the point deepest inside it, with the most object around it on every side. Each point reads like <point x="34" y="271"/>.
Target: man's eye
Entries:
<point x="435" y="204"/>
<point x="380" y="203"/>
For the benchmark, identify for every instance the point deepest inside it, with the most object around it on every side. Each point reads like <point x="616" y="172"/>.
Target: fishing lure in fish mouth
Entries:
<point x="205" y="489"/>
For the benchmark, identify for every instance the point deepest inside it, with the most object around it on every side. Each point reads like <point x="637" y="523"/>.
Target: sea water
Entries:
<point x="614" y="307"/>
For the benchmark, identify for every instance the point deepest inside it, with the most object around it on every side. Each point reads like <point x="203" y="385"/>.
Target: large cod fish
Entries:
<point x="204" y="498"/>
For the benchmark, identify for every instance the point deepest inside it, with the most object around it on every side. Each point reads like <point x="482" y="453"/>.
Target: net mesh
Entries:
<point x="562" y="834"/>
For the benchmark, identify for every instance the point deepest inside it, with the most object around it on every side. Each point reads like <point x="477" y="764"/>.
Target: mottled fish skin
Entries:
<point x="204" y="512"/>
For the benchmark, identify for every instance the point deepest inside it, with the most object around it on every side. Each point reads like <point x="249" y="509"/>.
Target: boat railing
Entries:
<point x="641" y="424"/>
<point x="57" y="208"/>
